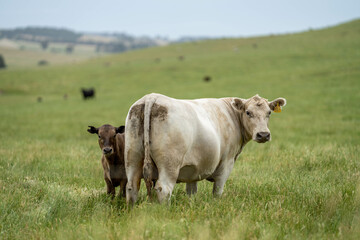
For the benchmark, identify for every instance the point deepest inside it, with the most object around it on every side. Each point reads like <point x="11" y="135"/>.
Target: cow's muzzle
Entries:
<point x="107" y="150"/>
<point x="262" y="137"/>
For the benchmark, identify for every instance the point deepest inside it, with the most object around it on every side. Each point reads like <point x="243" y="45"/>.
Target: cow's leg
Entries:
<point x="149" y="185"/>
<point x="166" y="182"/>
<point x="220" y="177"/>
<point x="110" y="188"/>
<point x="134" y="151"/>
<point x="134" y="173"/>
<point x="191" y="188"/>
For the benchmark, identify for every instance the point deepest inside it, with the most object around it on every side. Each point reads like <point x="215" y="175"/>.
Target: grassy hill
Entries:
<point x="302" y="184"/>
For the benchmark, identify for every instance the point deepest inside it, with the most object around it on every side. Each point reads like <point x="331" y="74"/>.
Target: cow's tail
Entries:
<point x="149" y="167"/>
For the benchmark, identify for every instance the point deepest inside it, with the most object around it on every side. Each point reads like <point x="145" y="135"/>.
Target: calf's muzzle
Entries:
<point x="107" y="150"/>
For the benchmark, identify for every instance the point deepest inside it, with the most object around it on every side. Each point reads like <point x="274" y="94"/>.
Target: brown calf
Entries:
<point x="111" y="142"/>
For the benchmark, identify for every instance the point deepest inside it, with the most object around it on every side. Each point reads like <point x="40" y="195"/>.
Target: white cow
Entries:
<point x="176" y="140"/>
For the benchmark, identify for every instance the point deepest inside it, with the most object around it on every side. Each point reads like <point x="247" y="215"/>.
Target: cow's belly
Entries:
<point x="191" y="173"/>
<point x="201" y="160"/>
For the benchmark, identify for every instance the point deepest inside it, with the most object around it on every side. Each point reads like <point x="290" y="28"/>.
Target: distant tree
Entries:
<point x="98" y="48"/>
<point x="69" y="48"/>
<point x="43" y="63"/>
<point x="44" y="44"/>
<point x="2" y="62"/>
<point x="52" y="34"/>
<point x="119" y="47"/>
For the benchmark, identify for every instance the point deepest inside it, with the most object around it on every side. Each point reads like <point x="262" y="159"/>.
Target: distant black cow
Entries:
<point x="207" y="79"/>
<point x="88" y="93"/>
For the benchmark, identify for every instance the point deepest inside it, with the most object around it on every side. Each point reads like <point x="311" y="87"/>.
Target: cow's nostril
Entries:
<point x="258" y="136"/>
<point x="266" y="135"/>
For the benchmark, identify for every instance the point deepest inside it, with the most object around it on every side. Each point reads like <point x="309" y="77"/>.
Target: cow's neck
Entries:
<point x="119" y="152"/>
<point x="244" y="137"/>
<point x="113" y="159"/>
<point x="116" y="158"/>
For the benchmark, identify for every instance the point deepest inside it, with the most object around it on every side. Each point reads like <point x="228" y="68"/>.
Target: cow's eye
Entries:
<point x="248" y="113"/>
<point x="99" y="136"/>
<point x="269" y="113"/>
<point x="115" y="136"/>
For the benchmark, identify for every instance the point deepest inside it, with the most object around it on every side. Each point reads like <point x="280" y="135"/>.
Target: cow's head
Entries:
<point x="107" y="135"/>
<point x="255" y="114"/>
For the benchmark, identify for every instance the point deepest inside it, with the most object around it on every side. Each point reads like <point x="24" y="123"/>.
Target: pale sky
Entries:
<point x="173" y="19"/>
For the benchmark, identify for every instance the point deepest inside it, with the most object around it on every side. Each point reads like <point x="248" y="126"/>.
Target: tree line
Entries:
<point x="120" y="42"/>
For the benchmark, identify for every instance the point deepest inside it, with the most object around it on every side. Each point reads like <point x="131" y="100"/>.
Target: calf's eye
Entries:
<point x="115" y="136"/>
<point x="248" y="113"/>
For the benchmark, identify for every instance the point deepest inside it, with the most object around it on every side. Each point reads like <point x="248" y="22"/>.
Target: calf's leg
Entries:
<point x="122" y="191"/>
<point x="110" y="188"/>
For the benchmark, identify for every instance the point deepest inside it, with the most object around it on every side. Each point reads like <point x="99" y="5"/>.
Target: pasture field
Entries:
<point x="304" y="184"/>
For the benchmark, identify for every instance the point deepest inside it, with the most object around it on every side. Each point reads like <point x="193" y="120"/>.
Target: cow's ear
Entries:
<point x="238" y="103"/>
<point x="279" y="101"/>
<point x="93" y="130"/>
<point x="120" y="129"/>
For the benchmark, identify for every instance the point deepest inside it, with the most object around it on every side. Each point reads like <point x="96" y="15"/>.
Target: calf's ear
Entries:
<point x="93" y="130"/>
<point x="280" y="101"/>
<point x="238" y="103"/>
<point x="120" y="129"/>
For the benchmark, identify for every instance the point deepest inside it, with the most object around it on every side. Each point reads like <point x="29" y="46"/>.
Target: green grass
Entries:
<point x="304" y="184"/>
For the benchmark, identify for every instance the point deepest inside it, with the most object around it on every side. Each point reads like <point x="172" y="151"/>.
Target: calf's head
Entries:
<point x="255" y="114"/>
<point x="107" y="137"/>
